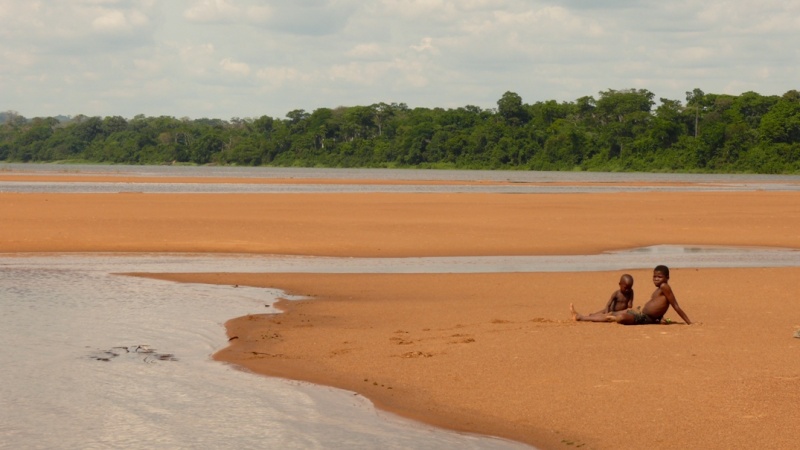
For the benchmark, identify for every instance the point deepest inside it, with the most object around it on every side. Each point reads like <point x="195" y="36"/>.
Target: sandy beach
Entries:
<point x="488" y="353"/>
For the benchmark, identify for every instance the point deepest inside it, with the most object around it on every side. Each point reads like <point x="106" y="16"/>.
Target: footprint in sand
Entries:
<point x="416" y="354"/>
<point x="466" y="339"/>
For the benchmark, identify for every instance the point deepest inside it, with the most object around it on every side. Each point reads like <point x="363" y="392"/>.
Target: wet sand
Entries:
<point x="489" y="353"/>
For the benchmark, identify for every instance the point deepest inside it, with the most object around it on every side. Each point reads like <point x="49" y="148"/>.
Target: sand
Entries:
<point x="489" y="353"/>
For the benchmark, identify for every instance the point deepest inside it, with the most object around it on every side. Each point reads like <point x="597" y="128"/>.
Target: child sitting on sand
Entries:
<point x="621" y="300"/>
<point x="653" y="311"/>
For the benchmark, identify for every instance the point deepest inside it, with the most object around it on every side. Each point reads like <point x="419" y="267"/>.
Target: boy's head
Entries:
<point x="664" y="270"/>
<point x="625" y="283"/>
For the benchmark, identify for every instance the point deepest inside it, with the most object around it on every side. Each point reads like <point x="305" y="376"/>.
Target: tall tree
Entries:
<point x="511" y="110"/>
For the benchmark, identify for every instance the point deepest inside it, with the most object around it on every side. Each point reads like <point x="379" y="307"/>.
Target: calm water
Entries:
<point x="96" y="360"/>
<point x="519" y="180"/>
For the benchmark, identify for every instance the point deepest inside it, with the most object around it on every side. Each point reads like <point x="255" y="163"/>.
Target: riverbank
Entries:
<point x="488" y="353"/>
<point x="498" y="354"/>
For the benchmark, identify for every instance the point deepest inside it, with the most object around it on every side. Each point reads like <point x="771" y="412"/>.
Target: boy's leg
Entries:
<point x="596" y="317"/>
<point x="625" y="318"/>
<point x="573" y="313"/>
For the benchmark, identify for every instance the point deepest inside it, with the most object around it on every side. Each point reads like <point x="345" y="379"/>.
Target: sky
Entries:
<point x="247" y="58"/>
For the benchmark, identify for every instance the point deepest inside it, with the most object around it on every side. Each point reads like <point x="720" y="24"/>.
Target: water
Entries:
<point x="96" y="360"/>
<point x="519" y="182"/>
<point x="389" y="174"/>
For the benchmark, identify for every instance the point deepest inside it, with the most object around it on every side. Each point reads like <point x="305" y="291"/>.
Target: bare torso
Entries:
<point x="658" y="304"/>
<point x="622" y="301"/>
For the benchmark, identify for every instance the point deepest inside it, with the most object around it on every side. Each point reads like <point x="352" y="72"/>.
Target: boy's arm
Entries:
<point x="610" y="302"/>
<point x="630" y="301"/>
<point x="666" y="289"/>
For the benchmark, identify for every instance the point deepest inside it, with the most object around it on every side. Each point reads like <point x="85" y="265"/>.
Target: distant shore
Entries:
<point x="487" y="353"/>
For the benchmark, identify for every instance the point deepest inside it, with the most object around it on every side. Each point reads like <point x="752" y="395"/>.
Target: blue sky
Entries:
<point x="247" y="58"/>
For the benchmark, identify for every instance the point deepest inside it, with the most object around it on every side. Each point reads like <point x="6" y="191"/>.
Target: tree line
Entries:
<point x="620" y="130"/>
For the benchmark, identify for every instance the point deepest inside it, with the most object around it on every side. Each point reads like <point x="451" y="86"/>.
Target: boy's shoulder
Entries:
<point x="664" y="288"/>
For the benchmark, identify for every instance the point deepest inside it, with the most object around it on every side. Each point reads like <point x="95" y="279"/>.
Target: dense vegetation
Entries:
<point x="618" y="131"/>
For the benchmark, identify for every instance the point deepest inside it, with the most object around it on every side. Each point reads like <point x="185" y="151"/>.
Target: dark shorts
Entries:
<point x="640" y="318"/>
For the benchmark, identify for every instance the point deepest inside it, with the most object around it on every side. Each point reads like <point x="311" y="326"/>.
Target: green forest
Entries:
<point x="619" y="130"/>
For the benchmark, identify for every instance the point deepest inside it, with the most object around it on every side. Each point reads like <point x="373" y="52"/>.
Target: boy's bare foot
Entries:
<point x="573" y="313"/>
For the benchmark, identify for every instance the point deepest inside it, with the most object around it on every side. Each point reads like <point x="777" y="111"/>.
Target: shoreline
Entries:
<point x="520" y="369"/>
<point x="489" y="353"/>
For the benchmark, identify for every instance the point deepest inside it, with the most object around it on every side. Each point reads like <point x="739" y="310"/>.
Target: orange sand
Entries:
<point x="489" y="353"/>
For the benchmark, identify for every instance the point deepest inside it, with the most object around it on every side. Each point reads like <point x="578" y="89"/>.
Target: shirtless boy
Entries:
<point x="620" y="301"/>
<point x="653" y="311"/>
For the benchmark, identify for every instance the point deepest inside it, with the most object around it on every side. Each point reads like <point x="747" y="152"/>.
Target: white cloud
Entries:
<point x="234" y="67"/>
<point x="364" y="51"/>
<point x="224" y="58"/>
<point x="299" y="17"/>
<point x="119" y="21"/>
<point x="147" y="67"/>
<point x="275" y="77"/>
<point x="357" y="73"/>
<point x="213" y="11"/>
<point x="425" y="45"/>
<point x="196" y="60"/>
<point x="110" y="21"/>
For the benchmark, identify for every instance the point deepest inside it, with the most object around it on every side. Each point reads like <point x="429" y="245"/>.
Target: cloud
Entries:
<point x="119" y="21"/>
<point x="425" y="45"/>
<point x="234" y="67"/>
<point x="302" y="17"/>
<point x="360" y="51"/>
<point x="213" y="11"/>
<point x="78" y="27"/>
<point x="226" y="58"/>
<point x="310" y="17"/>
<point x="271" y="78"/>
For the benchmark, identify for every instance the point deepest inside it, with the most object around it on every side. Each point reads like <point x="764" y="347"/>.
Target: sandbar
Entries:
<point x="488" y="353"/>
